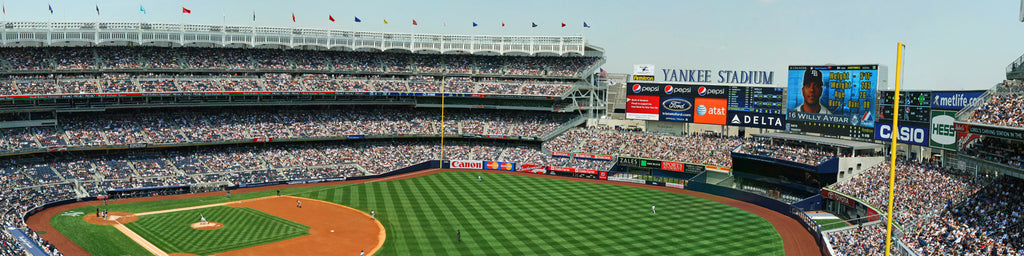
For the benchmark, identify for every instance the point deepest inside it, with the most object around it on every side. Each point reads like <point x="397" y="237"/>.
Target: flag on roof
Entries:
<point x="51" y="8"/>
<point x="585" y="25"/>
<point x="185" y="10"/>
<point x="293" y="17"/>
<point x="414" y="23"/>
<point x="143" y="10"/>
<point x="474" y="24"/>
<point x="604" y="73"/>
<point x="534" y="24"/>
<point x="563" y="24"/>
<point x="358" y="20"/>
<point x="331" y="18"/>
<point x="97" y="9"/>
<point x="386" y="22"/>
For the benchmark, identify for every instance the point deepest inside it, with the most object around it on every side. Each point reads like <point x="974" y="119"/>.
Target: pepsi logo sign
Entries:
<point x="668" y="89"/>
<point x="636" y="88"/>
<point x="702" y="91"/>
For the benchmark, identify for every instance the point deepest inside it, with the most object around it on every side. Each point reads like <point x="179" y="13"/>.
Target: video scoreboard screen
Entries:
<point x="766" y="100"/>
<point x="833" y="100"/>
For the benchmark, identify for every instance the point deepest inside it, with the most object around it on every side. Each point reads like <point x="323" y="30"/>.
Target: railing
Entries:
<point x="28" y="33"/>
<point x="968" y="110"/>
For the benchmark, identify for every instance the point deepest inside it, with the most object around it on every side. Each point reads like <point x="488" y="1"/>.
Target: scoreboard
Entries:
<point x="765" y="100"/>
<point x="916" y="114"/>
<point x="907" y="98"/>
<point x="915" y="106"/>
<point x="914" y="117"/>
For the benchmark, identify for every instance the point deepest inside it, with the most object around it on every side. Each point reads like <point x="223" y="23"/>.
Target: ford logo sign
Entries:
<point x="677" y="104"/>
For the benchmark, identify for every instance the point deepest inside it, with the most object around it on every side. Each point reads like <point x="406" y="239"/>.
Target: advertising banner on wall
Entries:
<point x="756" y="120"/>
<point x="709" y="111"/>
<point x="954" y="100"/>
<point x="943" y="135"/>
<point x="676" y="109"/>
<point x="467" y="164"/>
<point x="642" y="107"/>
<point x="533" y="168"/>
<point x="907" y="134"/>
<point x="504" y="166"/>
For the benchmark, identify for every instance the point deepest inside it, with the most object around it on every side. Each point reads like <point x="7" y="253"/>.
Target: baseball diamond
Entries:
<point x="422" y="214"/>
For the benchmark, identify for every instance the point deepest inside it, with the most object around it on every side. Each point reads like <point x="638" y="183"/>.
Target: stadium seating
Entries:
<point x="706" y="149"/>
<point x="368" y="71"/>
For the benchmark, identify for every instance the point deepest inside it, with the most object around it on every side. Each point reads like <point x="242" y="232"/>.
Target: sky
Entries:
<point x="951" y="45"/>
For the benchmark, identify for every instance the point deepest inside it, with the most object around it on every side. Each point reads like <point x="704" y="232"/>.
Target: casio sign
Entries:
<point x="677" y="105"/>
<point x="906" y="133"/>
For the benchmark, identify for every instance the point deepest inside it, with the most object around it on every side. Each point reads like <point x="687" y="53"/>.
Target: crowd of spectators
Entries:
<point x="277" y="82"/>
<point x="922" y="189"/>
<point x="190" y="126"/>
<point x="790" y="152"/>
<point x="152" y="58"/>
<point x="1008" y="152"/>
<point x="864" y="240"/>
<point x="709" y="148"/>
<point x="988" y="222"/>
<point x="1006" y="109"/>
<point x="943" y="212"/>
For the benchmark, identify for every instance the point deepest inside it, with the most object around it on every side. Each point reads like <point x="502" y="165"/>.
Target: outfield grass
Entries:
<point x="243" y="227"/>
<point x="517" y="215"/>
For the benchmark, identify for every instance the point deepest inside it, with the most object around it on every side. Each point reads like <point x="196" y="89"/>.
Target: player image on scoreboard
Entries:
<point x="842" y="95"/>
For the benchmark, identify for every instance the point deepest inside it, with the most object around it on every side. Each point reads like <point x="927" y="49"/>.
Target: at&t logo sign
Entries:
<point x="703" y="110"/>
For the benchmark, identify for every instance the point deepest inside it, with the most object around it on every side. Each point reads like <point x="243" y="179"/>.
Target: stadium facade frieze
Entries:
<point x="26" y="33"/>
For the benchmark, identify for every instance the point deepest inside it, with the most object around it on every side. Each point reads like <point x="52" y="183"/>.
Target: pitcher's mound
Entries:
<point x="207" y="225"/>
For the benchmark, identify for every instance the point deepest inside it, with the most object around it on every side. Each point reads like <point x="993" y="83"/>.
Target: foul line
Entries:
<point x="138" y="239"/>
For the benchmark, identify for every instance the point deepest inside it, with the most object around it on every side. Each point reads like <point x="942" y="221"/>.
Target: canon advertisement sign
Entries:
<point x="467" y="164"/>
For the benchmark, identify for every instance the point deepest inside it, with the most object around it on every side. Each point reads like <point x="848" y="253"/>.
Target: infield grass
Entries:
<point x="243" y="227"/>
<point x="519" y="215"/>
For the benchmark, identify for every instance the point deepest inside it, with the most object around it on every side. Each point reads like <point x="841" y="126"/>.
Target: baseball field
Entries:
<point x="501" y="215"/>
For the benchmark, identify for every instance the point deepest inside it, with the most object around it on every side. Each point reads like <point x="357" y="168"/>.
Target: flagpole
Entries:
<point x="441" y="165"/>
<point x="892" y="151"/>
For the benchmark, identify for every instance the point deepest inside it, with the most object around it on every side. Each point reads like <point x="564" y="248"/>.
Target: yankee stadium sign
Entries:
<point x="721" y="76"/>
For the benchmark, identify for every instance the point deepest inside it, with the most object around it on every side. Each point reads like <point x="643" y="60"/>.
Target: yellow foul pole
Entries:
<point x="892" y="149"/>
<point x="441" y="163"/>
